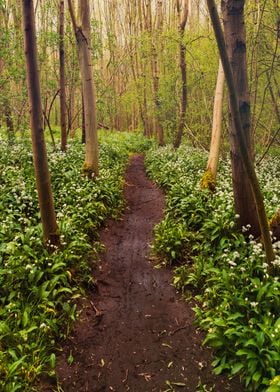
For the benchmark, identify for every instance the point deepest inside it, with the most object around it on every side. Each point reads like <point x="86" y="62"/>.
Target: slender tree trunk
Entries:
<point x="160" y="131"/>
<point x="209" y="178"/>
<point x="9" y="121"/>
<point x="155" y="67"/>
<point x="83" y="122"/>
<point x="83" y="43"/>
<point x="72" y="116"/>
<point x="63" y="108"/>
<point x="43" y="183"/>
<point x="273" y="98"/>
<point x="133" y="55"/>
<point x="183" y="66"/>
<point x="236" y="112"/>
<point x="235" y="38"/>
<point x="6" y="107"/>
<point x="275" y="225"/>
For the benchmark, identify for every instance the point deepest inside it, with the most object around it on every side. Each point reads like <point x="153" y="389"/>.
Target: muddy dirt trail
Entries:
<point x="143" y="338"/>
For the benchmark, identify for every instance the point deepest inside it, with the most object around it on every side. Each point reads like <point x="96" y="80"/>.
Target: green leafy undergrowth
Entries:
<point x="37" y="288"/>
<point x="239" y="301"/>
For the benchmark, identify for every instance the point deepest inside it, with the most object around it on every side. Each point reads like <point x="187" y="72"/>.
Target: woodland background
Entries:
<point x="135" y="49"/>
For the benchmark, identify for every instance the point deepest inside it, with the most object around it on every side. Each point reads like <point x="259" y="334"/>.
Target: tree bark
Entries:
<point x="245" y="153"/>
<point x="63" y="108"/>
<point x="183" y="67"/>
<point x="155" y="67"/>
<point x="235" y="38"/>
<point x="209" y="178"/>
<point x="43" y="183"/>
<point x="83" y="121"/>
<point x="9" y="121"/>
<point x="133" y="55"/>
<point x="82" y="34"/>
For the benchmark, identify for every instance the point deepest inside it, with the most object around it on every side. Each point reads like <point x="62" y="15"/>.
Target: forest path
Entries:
<point x="145" y="336"/>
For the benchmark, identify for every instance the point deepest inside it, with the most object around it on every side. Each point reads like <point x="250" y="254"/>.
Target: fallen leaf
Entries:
<point x="147" y="376"/>
<point x="179" y="384"/>
<point x="166" y="345"/>
<point x="102" y="362"/>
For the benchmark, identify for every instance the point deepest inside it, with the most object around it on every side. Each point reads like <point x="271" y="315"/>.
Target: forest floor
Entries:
<point x="136" y="333"/>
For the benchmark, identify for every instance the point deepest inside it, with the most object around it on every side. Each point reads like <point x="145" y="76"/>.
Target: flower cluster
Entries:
<point x="240" y="300"/>
<point x="37" y="287"/>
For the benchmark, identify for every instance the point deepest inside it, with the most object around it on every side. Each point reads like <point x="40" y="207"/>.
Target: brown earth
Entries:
<point x="135" y="333"/>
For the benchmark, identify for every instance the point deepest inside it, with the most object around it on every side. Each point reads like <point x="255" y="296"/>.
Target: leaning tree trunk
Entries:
<point x="236" y="113"/>
<point x="43" y="183"/>
<point x="183" y="67"/>
<point x="63" y="108"/>
<point x="235" y="38"/>
<point x="82" y="34"/>
<point x="209" y="177"/>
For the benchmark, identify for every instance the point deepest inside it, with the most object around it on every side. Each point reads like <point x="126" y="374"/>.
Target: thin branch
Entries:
<point x="268" y="146"/>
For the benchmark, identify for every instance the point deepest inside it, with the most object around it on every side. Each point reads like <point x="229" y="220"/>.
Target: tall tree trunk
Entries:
<point x="273" y="98"/>
<point x="83" y="121"/>
<point x="236" y="112"/>
<point x="160" y="131"/>
<point x="235" y="38"/>
<point x="209" y="178"/>
<point x="83" y="43"/>
<point x="63" y="108"/>
<point x="275" y="225"/>
<point x="133" y="55"/>
<point x="43" y="183"/>
<point x="6" y="105"/>
<point x="9" y="121"/>
<point x="183" y="66"/>
<point x="155" y="67"/>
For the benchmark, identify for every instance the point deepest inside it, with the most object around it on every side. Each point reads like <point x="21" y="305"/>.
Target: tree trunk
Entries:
<point x="9" y="121"/>
<point x="50" y="229"/>
<point x="245" y="153"/>
<point x="209" y="178"/>
<point x="182" y="48"/>
<point x="155" y="68"/>
<point x="83" y="121"/>
<point x="7" y="113"/>
<point x="235" y="38"/>
<point x="275" y="225"/>
<point x="133" y="55"/>
<point x="273" y="98"/>
<point x="63" y="109"/>
<point x="83" y="43"/>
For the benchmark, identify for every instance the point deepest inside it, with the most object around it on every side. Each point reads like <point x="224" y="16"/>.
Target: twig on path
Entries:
<point x="126" y="376"/>
<point x="147" y="376"/>
<point x="171" y="333"/>
<point x="98" y="313"/>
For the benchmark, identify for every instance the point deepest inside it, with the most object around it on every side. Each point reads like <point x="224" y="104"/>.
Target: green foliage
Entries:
<point x="37" y="288"/>
<point x="169" y="237"/>
<point x="239" y="301"/>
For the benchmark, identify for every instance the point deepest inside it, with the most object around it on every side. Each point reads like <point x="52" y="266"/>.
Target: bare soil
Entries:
<point x="136" y="333"/>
